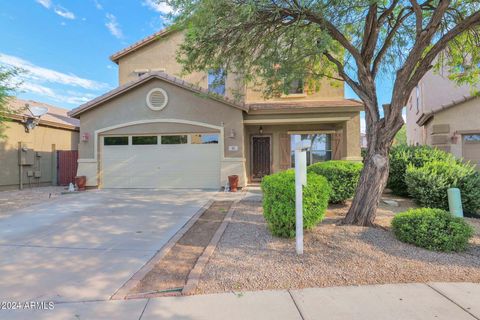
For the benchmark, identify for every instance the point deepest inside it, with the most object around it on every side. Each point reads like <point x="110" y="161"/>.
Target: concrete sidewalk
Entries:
<point x="393" y="301"/>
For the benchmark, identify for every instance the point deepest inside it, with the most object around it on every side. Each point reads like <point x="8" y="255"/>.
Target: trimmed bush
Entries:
<point x="402" y="156"/>
<point x="428" y="185"/>
<point x="343" y="177"/>
<point x="432" y="229"/>
<point x="279" y="202"/>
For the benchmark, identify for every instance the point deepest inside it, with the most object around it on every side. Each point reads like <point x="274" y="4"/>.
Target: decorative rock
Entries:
<point x="391" y="203"/>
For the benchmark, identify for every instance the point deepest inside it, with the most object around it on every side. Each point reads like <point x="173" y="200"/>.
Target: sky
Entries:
<point x="64" y="45"/>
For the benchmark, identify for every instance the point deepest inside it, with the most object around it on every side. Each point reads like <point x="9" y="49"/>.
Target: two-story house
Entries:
<point x="162" y="130"/>
<point x="444" y="115"/>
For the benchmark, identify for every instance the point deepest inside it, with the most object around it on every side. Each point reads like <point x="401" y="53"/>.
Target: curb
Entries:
<point x="122" y="293"/>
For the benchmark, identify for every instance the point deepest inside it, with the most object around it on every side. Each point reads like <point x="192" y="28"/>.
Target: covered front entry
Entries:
<point x="161" y="161"/>
<point x="270" y="148"/>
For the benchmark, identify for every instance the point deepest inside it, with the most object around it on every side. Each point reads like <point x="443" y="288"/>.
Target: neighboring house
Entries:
<point x="157" y="130"/>
<point x="444" y="115"/>
<point x="37" y="147"/>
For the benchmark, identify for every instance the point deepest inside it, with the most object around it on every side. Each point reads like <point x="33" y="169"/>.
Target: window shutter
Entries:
<point x="337" y="146"/>
<point x="285" y="156"/>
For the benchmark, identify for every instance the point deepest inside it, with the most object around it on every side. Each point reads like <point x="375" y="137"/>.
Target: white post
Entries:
<point x="300" y="181"/>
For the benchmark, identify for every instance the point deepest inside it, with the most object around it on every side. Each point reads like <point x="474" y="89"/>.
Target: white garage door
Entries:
<point x="163" y="161"/>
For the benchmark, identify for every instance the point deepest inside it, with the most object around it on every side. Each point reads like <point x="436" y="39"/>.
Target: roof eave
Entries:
<point x="341" y="109"/>
<point x="75" y="113"/>
<point x="424" y="118"/>
<point x="140" y="44"/>
<point x="20" y="118"/>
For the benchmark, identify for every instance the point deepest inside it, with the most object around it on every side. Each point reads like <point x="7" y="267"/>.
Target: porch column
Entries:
<point x="351" y="139"/>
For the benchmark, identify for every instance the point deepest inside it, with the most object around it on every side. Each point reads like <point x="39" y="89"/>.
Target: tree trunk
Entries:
<point x="373" y="180"/>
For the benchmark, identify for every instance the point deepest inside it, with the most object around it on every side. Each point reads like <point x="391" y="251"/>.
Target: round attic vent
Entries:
<point x="157" y="99"/>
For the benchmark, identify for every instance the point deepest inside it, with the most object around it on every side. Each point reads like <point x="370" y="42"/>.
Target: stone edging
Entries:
<point x="194" y="276"/>
<point x="122" y="293"/>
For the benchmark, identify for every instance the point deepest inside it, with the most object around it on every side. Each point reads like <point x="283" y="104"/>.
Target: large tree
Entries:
<point x="349" y="40"/>
<point x="7" y="90"/>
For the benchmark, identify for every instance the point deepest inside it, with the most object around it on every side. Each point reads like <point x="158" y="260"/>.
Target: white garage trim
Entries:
<point x="133" y="123"/>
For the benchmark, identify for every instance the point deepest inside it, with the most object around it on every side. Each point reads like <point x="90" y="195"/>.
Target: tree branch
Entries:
<point x="422" y="42"/>
<point x="387" y="12"/>
<point x="419" y="16"/>
<point x="371" y="102"/>
<point x="370" y="35"/>
<point x="341" y="71"/>
<point x="388" y="41"/>
<point x="426" y="63"/>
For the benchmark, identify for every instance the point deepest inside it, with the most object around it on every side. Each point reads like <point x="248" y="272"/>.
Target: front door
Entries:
<point x="260" y="157"/>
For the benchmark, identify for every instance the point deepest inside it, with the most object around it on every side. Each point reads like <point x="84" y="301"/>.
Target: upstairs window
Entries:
<point x="216" y="81"/>
<point x="294" y="87"/>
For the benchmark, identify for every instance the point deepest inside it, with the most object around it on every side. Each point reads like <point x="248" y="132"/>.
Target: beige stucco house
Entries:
<point x="442" y="114"/>
<point x="36" y="147"/>
<point x="159" y="129"/>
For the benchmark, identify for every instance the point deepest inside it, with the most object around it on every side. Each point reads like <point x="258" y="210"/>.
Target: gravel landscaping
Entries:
<point x="11" y="200"/>
<point x="249" y="258"/>
<point x="171" y="273"/>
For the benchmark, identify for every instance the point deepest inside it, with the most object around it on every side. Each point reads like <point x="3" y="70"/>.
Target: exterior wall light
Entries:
<point x="85" y="137"/>
<point x="454" y="138"/>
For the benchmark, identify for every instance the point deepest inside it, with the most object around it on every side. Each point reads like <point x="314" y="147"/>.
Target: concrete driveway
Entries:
<point x="84" y="247"/>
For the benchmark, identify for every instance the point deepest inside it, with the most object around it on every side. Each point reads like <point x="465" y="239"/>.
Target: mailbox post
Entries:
<point x="300" y="181"/>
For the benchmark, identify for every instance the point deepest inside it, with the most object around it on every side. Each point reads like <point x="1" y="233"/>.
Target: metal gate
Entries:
<point x="261" y="157"/>
<point x="66" y="167"/>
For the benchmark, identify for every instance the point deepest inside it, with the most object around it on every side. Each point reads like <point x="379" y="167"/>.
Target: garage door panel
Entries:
<point x="161" y="166"/>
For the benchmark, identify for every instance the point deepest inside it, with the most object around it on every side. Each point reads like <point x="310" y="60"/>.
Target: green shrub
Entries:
<point x="343" y="177"/>
<point x="402" y="156"/>
<point x="363" y="153"/>
<point x="428" y="185"/>
<point x="279" y="202"/>
<point x="432" y="229"/>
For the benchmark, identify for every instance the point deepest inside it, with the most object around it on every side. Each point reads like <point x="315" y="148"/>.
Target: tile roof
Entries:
<point x="425" y="117"/>
<point x="55" y="116"/>
<point x="116" y="56"/>
<point x="146" y="77"/>
<point x="282" y="105"/>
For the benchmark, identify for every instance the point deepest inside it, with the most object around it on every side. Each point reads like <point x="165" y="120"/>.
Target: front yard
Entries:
<point x="11" y="200"/>
<point x="248" y="257"/>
